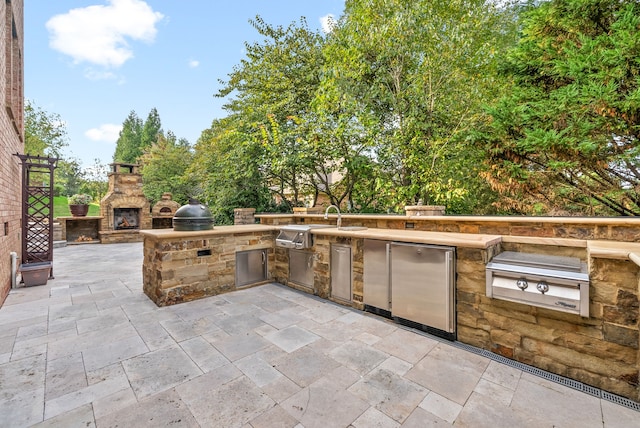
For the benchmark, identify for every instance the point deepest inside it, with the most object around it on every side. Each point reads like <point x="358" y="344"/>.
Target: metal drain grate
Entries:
<point x="579" y="386"/>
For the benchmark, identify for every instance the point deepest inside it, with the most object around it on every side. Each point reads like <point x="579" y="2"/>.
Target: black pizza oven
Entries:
<point x="193" y="216"/>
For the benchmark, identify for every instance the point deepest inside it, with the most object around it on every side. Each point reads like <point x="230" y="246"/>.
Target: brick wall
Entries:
<point x="11" y="136"/>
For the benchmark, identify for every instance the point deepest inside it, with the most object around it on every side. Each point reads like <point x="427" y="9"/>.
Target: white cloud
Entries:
<point x="193" y="63"/>
<point x="328" y="23"/>
<point x="99" y="34"/>
<point x="93" y="74"/>
<point x="107" y="132"/>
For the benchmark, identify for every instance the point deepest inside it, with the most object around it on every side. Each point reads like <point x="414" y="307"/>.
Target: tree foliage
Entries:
<point x="164" y="167"/>
<point x="566" y="138"/>
<point x="45" y="134"/>
<point x="128" y="146"/>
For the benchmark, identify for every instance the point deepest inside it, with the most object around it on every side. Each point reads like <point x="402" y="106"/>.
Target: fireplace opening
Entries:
<point x="126" y="218"/>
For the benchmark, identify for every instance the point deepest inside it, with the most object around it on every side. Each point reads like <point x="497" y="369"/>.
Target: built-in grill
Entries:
<point x="553" y="282"/>
<point x="297" y="236"/>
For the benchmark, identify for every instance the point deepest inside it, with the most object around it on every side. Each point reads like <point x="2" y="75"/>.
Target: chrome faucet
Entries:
<point x="326" y="214"/>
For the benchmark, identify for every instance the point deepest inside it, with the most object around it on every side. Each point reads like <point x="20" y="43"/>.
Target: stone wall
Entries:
<point x="601" y="350"/>
<point x="11" y="137"/>
<point x="181" y="270"/>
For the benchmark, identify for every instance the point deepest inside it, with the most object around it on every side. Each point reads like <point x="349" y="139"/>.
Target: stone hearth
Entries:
<point x="124" y="209"/>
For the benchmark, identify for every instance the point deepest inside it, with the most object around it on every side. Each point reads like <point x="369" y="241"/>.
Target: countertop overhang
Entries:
<point x="216" y="231"/>
<point x="466" y="240"/>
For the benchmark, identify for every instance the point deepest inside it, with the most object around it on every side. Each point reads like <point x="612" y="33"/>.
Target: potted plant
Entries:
<point x="79" y="204"/>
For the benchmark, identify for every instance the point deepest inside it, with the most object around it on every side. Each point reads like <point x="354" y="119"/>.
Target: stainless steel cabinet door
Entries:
<point x="301" y="267"/>
<point x="341" y="272"/>
<point x="422" y="284"/>
<point x="251" y="267"/>
<point x="377" y="290"/>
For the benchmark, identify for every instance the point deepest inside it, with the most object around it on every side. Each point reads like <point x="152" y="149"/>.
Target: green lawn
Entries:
<point x="61" y="207"/>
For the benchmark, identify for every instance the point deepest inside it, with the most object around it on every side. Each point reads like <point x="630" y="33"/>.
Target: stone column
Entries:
<point x="424" y="210"/>
<point x="244" y="216"/>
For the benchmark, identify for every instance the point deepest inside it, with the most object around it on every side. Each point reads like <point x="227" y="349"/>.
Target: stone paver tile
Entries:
<point x="107" y="319"/>
<point x="498" y="392"/>
<point x="335" y="331"/>
<point x="367" y="338"/>
<point x="76" y="343"/>
<point x="389" y="393"/>
<point x="23" y="408"/>
<point x="114" y="403"/>
<point x="160" y="410"/>
<point x="283" y="318"/>
<point x="239" y="346"/>
<point x="203" y="354"/>
<point x="34" y="342"/>
<point x="555" y="403"/>
<point x="29" y="351"/>
<point x="275" y="417"/>
<point x="200" y="386"/>
<point x="82" y="417"/>
<point x="84" y="396"/>
<point x="154" y="335"/>
<point x="324" y="313"/>
<point x="396" y="365"/>
<point x="145" y="305"/>
<point x="441" y="407"/>
<point x="483" y="412"/>
<point x="358" y="356"/>
<point x="113" y="352"/>
<point x="373" y="417"/>
<point x="280" y="389"/>
<point x="502" y="375"/>
<point x="324" y="404"/>
<point x="420" y="418"/>
<point x="264" y="329"/>
<point x="232" y="404"/>
<point x="104" y="373"/>
<point x="237" y="324"/>
<point x="375" y="325"/>
<point x="31" y="331"/>
<point x="305" y="366"/>
<point x="65" y="375"/>
<point x="65" y="312"/>
<point x="159" y="370"/>
<point x="183" y="330"/>
<point x="27" y="374"/>
<point x="450" y="372"/>
<point x="406" y="345"/>
<point x="258" y="370"/>
<point x="91" y="297"/>
<point x="291" y="338"/>
<point x="615" y="416"/>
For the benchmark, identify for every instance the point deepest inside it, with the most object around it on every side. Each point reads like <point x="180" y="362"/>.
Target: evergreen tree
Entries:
<point x="129" y="140"/>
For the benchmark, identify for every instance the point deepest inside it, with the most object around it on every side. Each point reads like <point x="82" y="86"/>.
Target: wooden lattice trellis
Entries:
<point x="37" y="209"/>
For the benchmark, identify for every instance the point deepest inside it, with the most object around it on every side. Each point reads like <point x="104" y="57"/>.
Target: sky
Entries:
<point x="92" y="62"/>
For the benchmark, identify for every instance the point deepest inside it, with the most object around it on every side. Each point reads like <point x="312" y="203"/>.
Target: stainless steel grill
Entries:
<point x="552" y="282"/>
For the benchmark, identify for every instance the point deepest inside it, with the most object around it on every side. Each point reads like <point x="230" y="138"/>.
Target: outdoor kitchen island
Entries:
<point x="600" y="350"/>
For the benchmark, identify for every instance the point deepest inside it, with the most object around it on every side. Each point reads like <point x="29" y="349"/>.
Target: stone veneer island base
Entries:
<point x="601" y="350"/>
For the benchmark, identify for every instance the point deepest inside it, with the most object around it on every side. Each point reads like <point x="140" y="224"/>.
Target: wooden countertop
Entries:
<point x="468" y="240"/>
<point x="217" y="230"/>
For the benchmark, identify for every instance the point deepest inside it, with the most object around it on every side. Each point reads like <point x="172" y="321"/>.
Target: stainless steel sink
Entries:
<point x="352" y="228"/>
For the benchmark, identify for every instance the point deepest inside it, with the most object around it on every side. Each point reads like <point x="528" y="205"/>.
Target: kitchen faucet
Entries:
<point x="326" y="214"/>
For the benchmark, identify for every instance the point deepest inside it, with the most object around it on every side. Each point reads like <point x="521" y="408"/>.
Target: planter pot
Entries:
<point x="35" y="273"/>
<point x="79" y="210"/>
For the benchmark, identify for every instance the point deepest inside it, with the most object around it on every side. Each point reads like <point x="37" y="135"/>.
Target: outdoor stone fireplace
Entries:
<point x="124" y="209"/>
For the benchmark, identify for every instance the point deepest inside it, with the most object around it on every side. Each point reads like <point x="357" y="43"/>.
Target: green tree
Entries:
<point x="129" y="140"/>
<point x="228" y="164"/>
<point x="566" y="138"/>
<point x="45" y="134"/>
<point x="151" y="130"/>
<point x="69" y="176"/>
<point x="164" y="167"/>
<point x="272" y="93"/>
<point x="411" y="76"/>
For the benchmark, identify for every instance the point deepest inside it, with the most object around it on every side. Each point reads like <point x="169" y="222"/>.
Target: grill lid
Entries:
<point x="193" y="216"/>
<point x="542" y="261"/>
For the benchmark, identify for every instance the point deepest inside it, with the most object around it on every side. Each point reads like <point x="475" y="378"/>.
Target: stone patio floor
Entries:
<point x="90" y="349"/>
